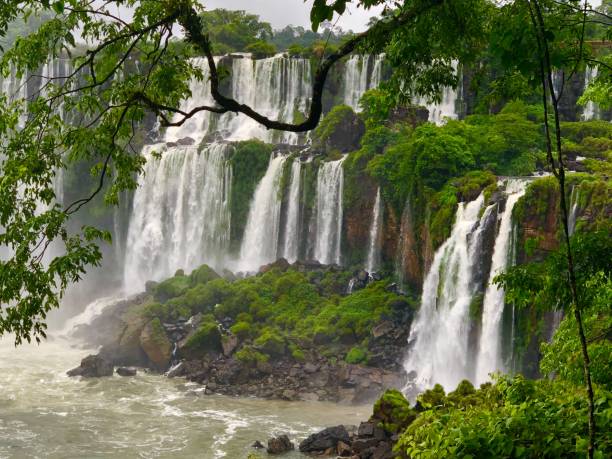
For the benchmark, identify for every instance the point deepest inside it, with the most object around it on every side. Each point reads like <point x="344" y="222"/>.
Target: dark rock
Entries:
<point x="383" y="451"/>
<point x="186" y="141"/>
<point x="362" y="275"/>
<point x="362" y="444"/>
<point x="257" y="445"/>
<point x="327" y="438"/>
<point x="366" y="429"/>
<point x="92" y="366"/>
<point x="343" y="450"/>
<point x="281" y="264"/>
<point x="279" y="445"/>
<point x="126" y="371"/>
<point x="382" y="329"/>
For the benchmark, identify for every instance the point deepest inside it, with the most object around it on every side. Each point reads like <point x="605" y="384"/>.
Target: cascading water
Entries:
<point x="591" y="110"/>
<point x="439" y="335"/>
<point x="373" y="260"/>
<point x="328" y="237"/>
<point x="291" y="240"/>
<point x="181" y="213"/>
<point x="446" y="108"/>
<point x="260" y="241"/>
<point x="489" y="357"/>
<point x="359" y="78"/>
<point x="573" y="216"/>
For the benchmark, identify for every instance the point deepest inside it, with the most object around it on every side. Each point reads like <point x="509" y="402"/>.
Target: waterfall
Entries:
<point x="291" y="241"/>
<point x="439" y="334"/>
<point x="489" y="352"/>
<point x="591" y="110"/>
<point x="373" y="260"/>
<point x="446" y="108"/>
<point x="358" y="78"/>
<point x="328" y="237"/>
<point x="181" y="214"/>
<point x="573" y="216"/>
<point x="260" y="241"/>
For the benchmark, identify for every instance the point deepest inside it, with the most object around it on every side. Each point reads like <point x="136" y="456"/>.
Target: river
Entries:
<point x="44" y="413"/>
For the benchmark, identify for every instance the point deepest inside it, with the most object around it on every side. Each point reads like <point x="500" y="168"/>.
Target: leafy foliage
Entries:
<point x="512" y="418"/>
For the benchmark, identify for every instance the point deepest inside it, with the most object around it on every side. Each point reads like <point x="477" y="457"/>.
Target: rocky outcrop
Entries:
<point x="325" y="441"/>
<point x="126" y="371"/>
<point x="279" y="445"/>
<point x="92" y="366"/>
<point x="156" y="345"/>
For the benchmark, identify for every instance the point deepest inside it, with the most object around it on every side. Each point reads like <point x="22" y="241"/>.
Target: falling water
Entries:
<point x="358" y="78"/>
<point x="291" y="242"/>
<point x="591" y="110"/>
<point x="573" y="216"/>
<point x="181" y="214"/>
<point x="489" y="352"/>
<point x="330" y="186"/>
<point x="260" y="241"/>
<point x="446" y="108"/>
<point x="439" y="334"/>
<point x="373" y="261"/>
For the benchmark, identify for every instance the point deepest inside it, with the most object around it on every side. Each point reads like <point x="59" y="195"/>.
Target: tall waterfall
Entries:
<point x="291" y="240"/>
<point x="439" y="334"/>
<point x="373" y="261"/>
<point x="489" y="351"/>
<point x="180" y="216"/>
<point x="260" y="241"/>
<point x="358" y="77"/>
<point x="330" y="186"/>
<point x="591" y="110"/>
<point x="573" y="216"/>
<point x="446" y="108"/>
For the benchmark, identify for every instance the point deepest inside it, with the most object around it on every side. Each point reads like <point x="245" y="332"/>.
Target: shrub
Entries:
<point x="250" y="356"/>
<point x="356" y="355"/>
<point x="393" y="411"/>
<point x="171" y="288"/>
<point x="243" y="330"/>
<point x="270" y="343"/>
<point x="202" y="275"/>
<point x="206" y="338"/>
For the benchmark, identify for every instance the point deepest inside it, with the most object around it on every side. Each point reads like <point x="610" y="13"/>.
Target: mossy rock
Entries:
<point x="393" y="412"/>
<point x="171" y="288"/>
<point x="250" y="356"/>
<point x="156" y="345"/>
<point x="207" y="338"/>
<point x="340" y="131"/>
<point x="356" y="355"/>
<point x="203" y="275"/>
<point x="271" y="343"/>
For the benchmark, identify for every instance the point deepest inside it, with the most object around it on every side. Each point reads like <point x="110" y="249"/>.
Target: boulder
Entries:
<point x="126" y="371"/>
<point x="92" y="366"/>
<point x="343" y="449"/>
<point x="229" y="344"/>
<point x="156" y="345"/>
<point x="327" y="438"/>
<point x="279" y="445"/>
<point x="257" y="445"/>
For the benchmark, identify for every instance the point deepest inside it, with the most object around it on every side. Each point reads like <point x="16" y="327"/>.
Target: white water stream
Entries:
<point x="260" y="241"/>
<point x="489" y="359"/>
<point x="330" y="186"/>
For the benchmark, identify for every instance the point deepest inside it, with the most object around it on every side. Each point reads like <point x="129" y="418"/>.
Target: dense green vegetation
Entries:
<point x="511" y="418"/>
<point x="280" y="313"/>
